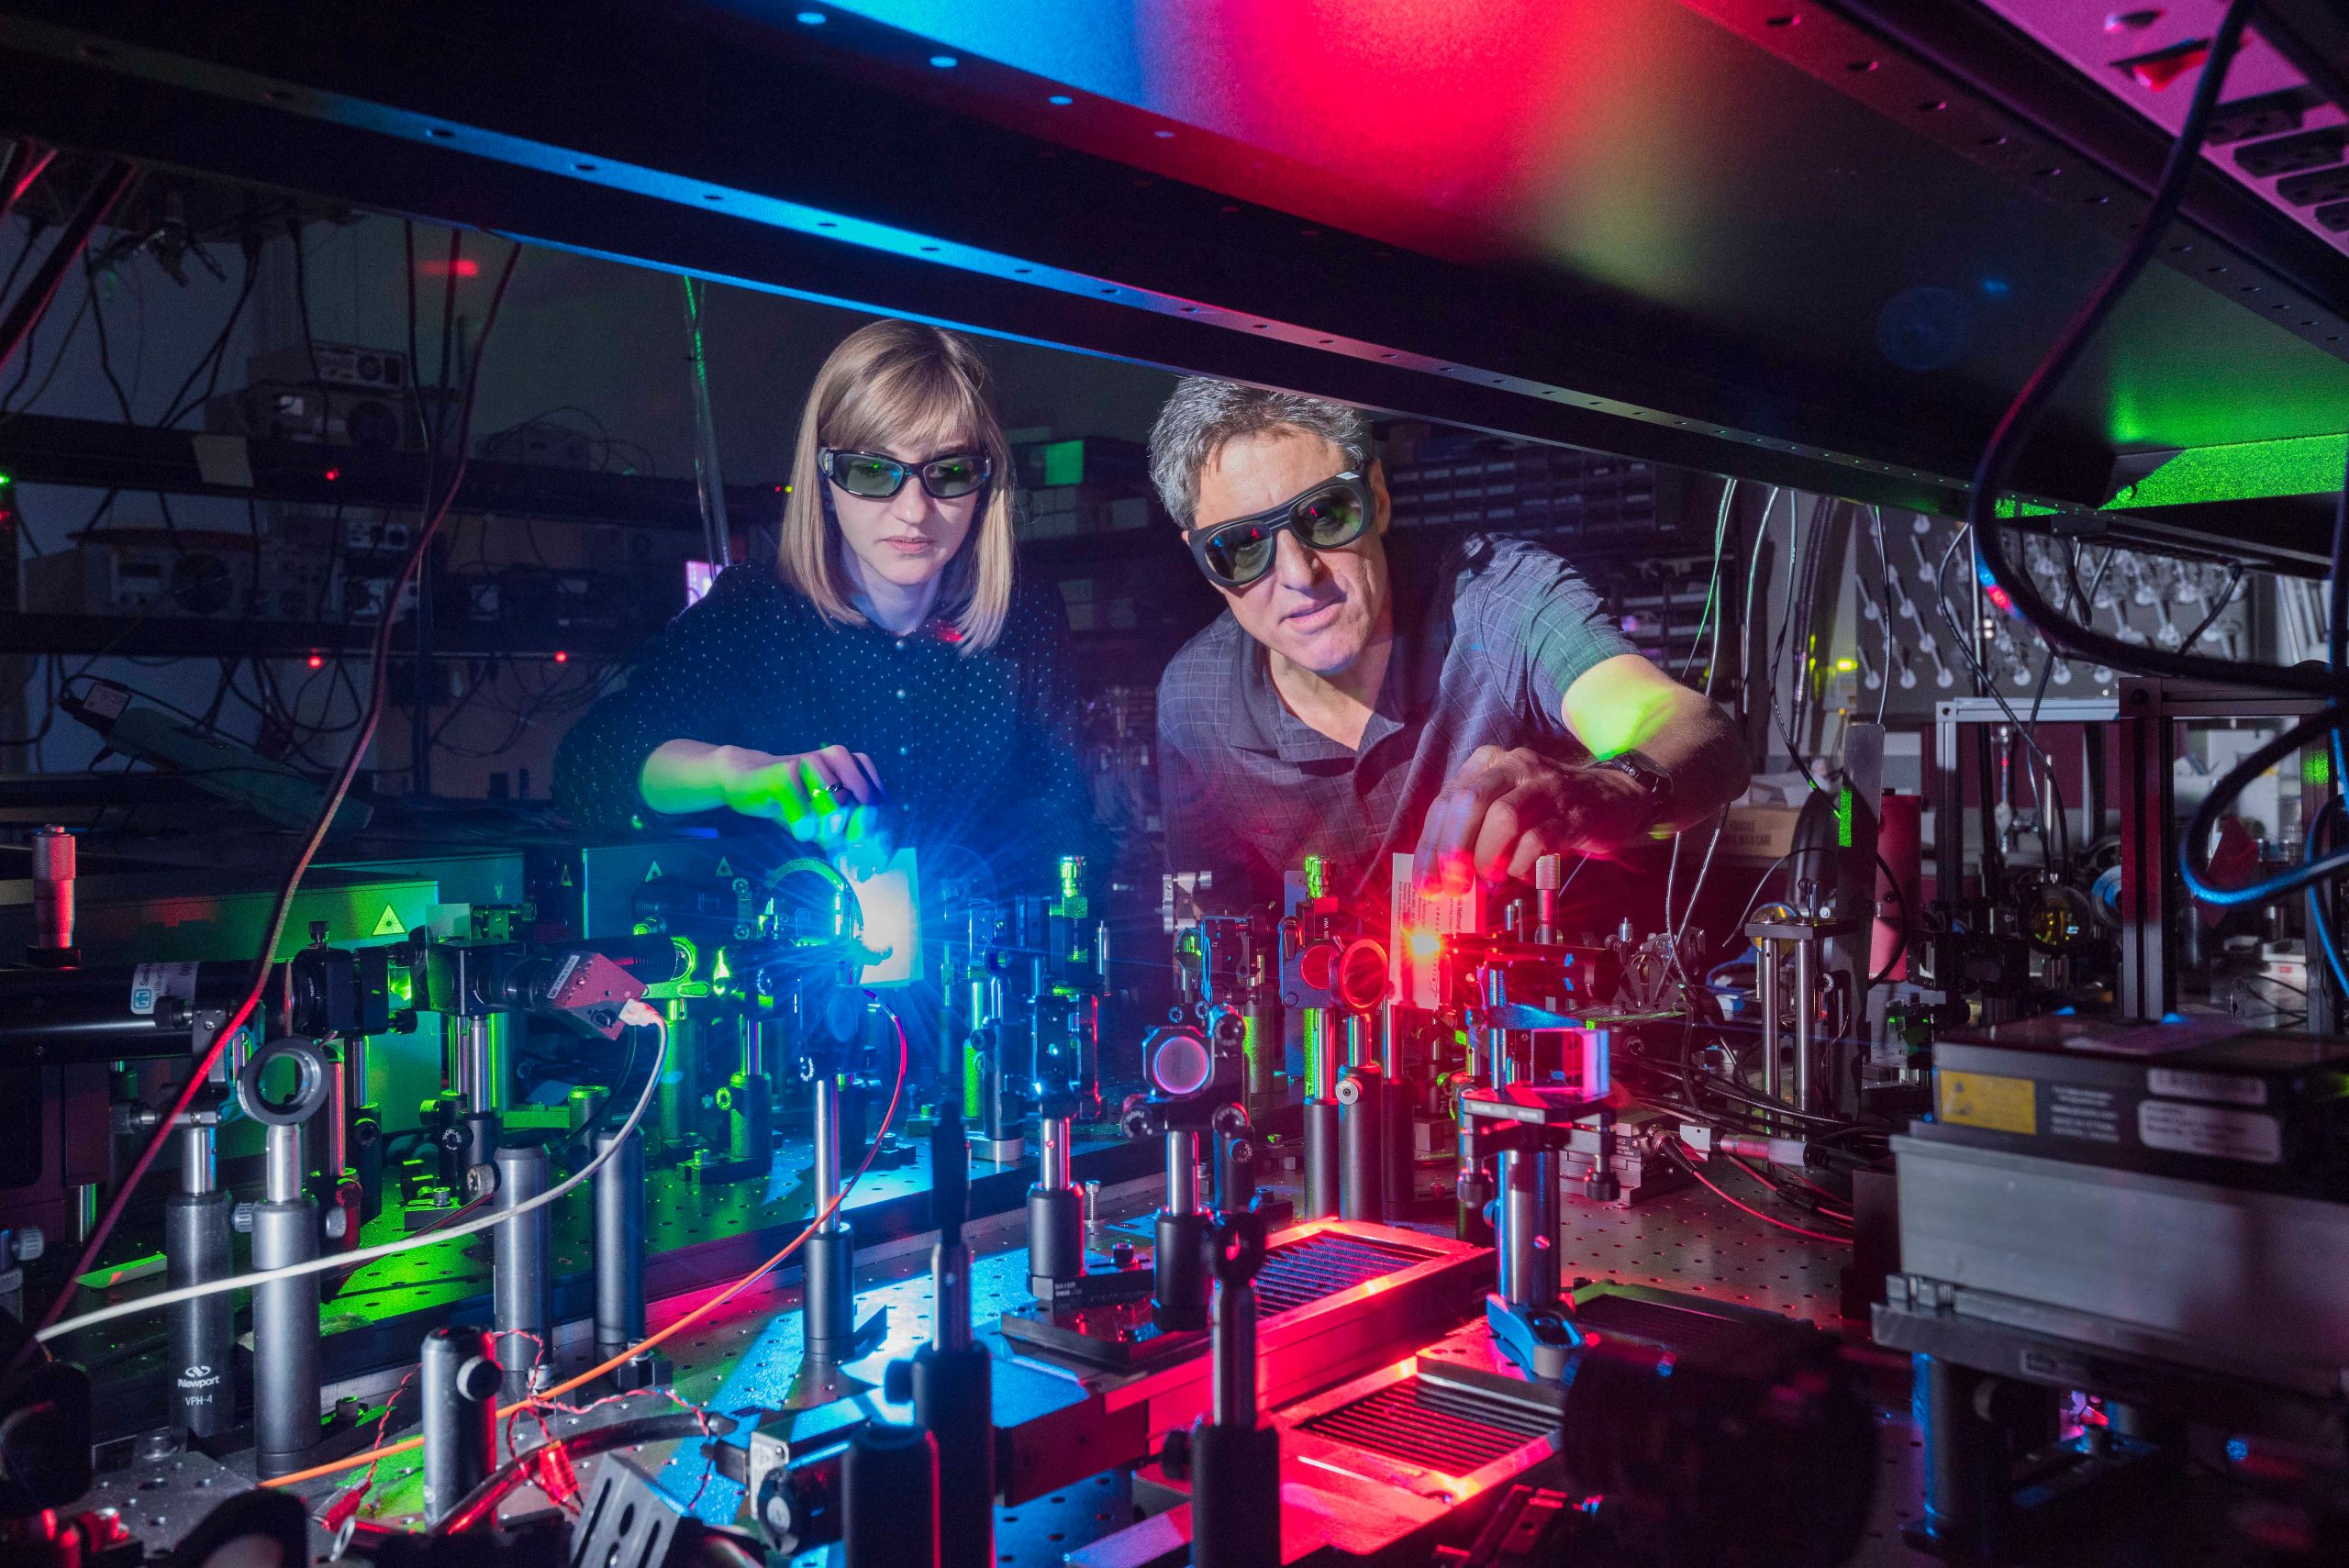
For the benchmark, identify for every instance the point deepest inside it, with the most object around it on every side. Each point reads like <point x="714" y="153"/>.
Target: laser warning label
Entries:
<point x="1988" y="1100"/>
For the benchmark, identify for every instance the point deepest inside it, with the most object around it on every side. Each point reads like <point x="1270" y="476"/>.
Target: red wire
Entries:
<point x="678" y="1326"/>
<point x="1758" y="1175"/>
<point x="31" y="174"/>
<point x="169" y="1124"/>
<point x="1689" y="1165"/>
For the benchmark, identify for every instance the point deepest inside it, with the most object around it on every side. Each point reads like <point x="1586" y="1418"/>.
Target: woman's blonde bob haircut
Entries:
<point x="901" y="385"/>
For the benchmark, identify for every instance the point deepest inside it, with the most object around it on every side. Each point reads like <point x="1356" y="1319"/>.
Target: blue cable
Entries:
<point x="2204" y="820"/>
<point x="2319" y="924"/>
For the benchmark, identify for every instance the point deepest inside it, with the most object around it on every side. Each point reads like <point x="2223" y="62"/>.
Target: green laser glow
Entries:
<point x="2243" y="471"/>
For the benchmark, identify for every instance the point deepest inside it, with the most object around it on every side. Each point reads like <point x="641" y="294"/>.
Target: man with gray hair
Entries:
<point x="1478" y="712"/>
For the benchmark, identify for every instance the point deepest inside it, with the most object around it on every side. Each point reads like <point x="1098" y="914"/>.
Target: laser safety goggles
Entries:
<point x="876" y="478"/>
<point x="1236" y="552"/>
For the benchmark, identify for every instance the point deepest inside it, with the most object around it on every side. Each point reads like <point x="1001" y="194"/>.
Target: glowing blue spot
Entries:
<point x="1060" y="100"/>
<point x="1995" y="286"/>
<point x="944" y="62"/>
<point x="2237" y="1451"/>
<point x="811" y="18"/>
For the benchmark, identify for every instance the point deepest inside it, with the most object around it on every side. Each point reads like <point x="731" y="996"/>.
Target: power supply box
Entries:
<point x="144" y="572"/>
<point x="2203" y="1099"/>
<point x="194" y="574"/>
<point x="331" y="364"/>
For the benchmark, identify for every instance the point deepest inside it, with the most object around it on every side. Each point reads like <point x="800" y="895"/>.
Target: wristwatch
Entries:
<point x="1643" y="771"/>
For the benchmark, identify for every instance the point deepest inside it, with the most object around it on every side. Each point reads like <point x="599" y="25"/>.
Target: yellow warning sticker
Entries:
<point x="1984" y="1099"/>
<point x="388" y="923"/>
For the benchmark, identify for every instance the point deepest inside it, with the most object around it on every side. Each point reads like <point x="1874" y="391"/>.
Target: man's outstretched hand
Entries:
<point x="1504" y="809"/>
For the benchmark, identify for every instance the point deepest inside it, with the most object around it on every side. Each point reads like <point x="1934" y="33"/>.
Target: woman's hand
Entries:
<point x="826" y="795"/>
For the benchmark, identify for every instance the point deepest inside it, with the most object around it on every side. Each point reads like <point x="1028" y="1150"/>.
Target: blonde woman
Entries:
<point x="885" y="656"/>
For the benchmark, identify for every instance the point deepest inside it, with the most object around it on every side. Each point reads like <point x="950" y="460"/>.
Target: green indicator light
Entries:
<point x="7" y="479"/>
<point x="2316" y="770"/>
<point x="1843" y="818"/>
<point x="1317" y="877"/>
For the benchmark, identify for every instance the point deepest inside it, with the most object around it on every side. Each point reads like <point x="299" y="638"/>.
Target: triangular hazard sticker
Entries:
<point x="723" y="868"/>
<point x="388" y="923"/>
<point x="653" y="873"/>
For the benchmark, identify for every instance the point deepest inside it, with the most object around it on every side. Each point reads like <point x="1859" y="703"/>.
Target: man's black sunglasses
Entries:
<point x="1239" y="550"/>
<point x="876" y="477"/>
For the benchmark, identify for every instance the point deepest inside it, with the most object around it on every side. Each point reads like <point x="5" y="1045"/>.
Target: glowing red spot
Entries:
<point x="463" y="267"/>
<point x="561" y="657"/>
<point x="317" y="661"/>
<point x="333" y="474"/>
<point x="2156" y="71"/>
<point x="950" y="634"/>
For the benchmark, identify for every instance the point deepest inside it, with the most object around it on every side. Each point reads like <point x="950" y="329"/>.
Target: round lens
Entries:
<point x="951" y="476"/>
<point x="869" y="477"/>
<point x="1241" y="555"/>
<point x="1180" y="1063"/>
<point x="1330" y="518"/>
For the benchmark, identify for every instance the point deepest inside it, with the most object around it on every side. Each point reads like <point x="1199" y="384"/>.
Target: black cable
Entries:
<point x="302" y="300"/>
<point x="415" y="388"/>
<point x="1991" y="474"/>
<point x="448" y="327"/>
<point x="2217" y="607"/>
<point x="90" y="273"/>
<point x="32" y="240"/>
<point x="1892" y="879"/>
<point x="214" y="355"/>
<point x="9" y="406"/>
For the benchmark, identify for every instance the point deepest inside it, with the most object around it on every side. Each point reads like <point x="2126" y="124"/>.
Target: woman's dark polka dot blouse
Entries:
<point x="978" y="751"/>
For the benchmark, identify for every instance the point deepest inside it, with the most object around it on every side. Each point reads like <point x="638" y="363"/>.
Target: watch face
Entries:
<point x="1654" y="780"/>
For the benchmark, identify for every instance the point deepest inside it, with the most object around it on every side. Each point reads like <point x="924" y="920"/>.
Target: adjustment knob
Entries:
<point x="478" y="1379"/>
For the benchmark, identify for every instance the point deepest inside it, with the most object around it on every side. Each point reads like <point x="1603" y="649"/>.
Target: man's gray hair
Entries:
<point x="1205" y="415"/>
